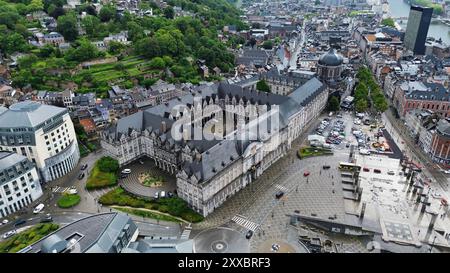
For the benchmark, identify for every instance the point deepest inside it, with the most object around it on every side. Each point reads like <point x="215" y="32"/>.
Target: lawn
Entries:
<point x="27" y="237"/>
<point x="108" y="72"/>
<point x="98" y="179"/>
<point x="174" y="206"/>
<point x="101" y="178"/>
<point x="150" y="214"/>
<point x="68" y="200"/>
<point x="305" y="152"/>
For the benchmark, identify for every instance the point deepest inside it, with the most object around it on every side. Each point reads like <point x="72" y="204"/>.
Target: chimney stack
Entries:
<point x="163" y="127"/>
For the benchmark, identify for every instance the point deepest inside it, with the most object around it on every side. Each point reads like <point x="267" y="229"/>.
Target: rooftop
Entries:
<point x="28" y="114"/>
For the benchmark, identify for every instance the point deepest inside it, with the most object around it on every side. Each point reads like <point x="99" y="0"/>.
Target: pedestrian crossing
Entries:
<point x="186" y="233"/>
<point x="281" y="188"/>
<point x="240" y="220"/>
<point x="58" y="189"/>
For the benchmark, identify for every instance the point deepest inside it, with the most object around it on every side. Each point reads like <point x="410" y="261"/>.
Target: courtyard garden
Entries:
<point x="151" y="180"/>
<point x="174" y="206"/>
<point x="104" y="173"/>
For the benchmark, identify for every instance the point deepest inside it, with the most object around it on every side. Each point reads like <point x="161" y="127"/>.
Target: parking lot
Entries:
<point x="344" y="129"/>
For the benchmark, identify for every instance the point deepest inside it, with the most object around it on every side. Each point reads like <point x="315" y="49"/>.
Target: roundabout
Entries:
<point x="221" y="240"/>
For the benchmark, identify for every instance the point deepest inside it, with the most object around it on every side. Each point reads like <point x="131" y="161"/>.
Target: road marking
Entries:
<point x="279" y="187"/>
<point x="245" y="223"/>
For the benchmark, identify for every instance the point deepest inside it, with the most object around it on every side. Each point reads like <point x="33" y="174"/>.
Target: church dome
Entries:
<point x="331" y="58"/>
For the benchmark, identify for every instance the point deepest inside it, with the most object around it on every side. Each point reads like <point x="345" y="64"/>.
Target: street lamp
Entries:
<point x="432" y="244"/>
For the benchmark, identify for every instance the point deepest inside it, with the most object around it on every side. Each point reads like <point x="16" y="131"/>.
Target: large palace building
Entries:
<point x="242" y="133"/>
<point x="42" y="133"/>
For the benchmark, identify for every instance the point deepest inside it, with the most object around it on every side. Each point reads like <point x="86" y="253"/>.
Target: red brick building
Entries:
<point x="417" y="95"/>
<point x="440" y="143"/>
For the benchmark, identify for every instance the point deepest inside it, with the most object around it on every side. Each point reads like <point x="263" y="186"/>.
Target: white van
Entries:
<point x="163" y="194"/>
<point x="38" y="208"/>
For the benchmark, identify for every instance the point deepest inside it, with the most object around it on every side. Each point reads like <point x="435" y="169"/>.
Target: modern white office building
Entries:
<point x="44" y="134"/>
<point x="19" y="183"/>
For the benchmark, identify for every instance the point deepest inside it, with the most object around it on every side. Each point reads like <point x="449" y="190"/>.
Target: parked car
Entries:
<point x="162" y="194"/>
<point x="391" y="172"/>
<point x="364" y="151"/>
<point x="249" y="234"/>
<point x="366" y="169"/>
<point x="126" y="171"/>
<point x="305" y="174"/>
<point x="84" y="167"/>
<point x="72" y="190"/>
<point x="377" y="171"/>
<point x="20" y="222"/>
<point x="279" y="194"/>
<point x="326" y="167"/>
<point x="80" y="176"/>
<point x="156" y="195"/>
<point x="5" y="221"/>
<point x="38" y="208"/>
<point x="47" y="219"/>
<point x="169" y="194"/>
<point x="8" y="234"/>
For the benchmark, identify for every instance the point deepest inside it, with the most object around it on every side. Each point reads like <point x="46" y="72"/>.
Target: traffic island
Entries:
<point x="306" y="152"/>
<point x="68" y="201"/>
<point x="104" y="174"/>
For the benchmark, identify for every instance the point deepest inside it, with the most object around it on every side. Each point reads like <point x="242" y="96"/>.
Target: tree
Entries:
<point x="107" y="13"/>
<point x="267" y="44"/>
<point x="262" y="86"/>
<point x="46" y="51"/>
<point x="13" y="42"/>
<point x="90" y="24"/>
<point x="67" y="26"/>
<point x="27" y="61"/>
<point x="35" y="5"/>
<point x="83" y="50"/>
<point x="55" y="11"/>
<point x="157" y="63"/>
<point x="148" y="47"/>
<point x="361" y="105"/>
<point x="108" y="164"/>
<point x="169" y="13"/>
<point x="388" y="22"/>
<point x="115" y="47"/>
<point x="333" y="104"/>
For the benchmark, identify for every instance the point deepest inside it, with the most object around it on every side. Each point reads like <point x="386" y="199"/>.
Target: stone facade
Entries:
<point x="229" y="156"/>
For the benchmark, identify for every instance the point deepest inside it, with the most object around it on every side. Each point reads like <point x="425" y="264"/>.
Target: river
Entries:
<point x="398" y="8"/>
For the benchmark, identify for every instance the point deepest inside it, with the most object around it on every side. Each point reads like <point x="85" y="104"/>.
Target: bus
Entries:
<point x="346" y="166"/>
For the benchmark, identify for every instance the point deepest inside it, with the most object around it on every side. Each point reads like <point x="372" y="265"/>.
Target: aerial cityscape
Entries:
<point x="224" y="126"/>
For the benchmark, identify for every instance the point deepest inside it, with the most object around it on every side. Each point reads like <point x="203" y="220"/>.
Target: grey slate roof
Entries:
<point x="28" y="114"/>
<point x="443" y="127"/>
<point x="331" y="58"/>
<point x="98" y="233"/>
<point x="9" y="159"/>
<point x="305" y="93"/>
<point x="217" y="155"/>
<point x="434" y="91"/>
